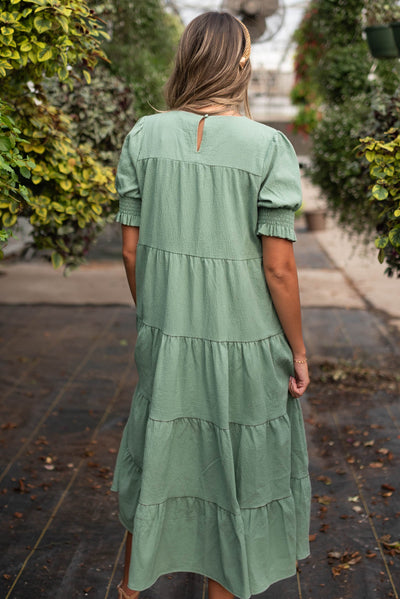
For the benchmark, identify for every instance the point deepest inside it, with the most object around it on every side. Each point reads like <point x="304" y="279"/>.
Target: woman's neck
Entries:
<point x="215" y="109"/>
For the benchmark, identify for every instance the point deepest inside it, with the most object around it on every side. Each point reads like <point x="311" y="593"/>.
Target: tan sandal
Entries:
<point x="122" y="593"/>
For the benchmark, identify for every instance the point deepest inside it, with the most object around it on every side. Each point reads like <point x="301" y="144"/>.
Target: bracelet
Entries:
<point x="300" y="361"/>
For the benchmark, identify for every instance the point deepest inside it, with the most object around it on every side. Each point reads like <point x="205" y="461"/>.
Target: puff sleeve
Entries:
<point x="280" y="193"/>
<point x="126" y="181"/>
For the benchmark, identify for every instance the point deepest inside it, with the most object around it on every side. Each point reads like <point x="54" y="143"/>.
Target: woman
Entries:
<point x="212" y="472"/>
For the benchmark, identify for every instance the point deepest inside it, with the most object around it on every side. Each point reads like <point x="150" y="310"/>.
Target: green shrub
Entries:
<point x="328" y="30"/>
<point x="336" y="169"/>
<point x="342" y="72"/>
<point x="60" y="186"/>
<point x="383" y="156"/>
<point x="41" y="38"/>
<point x="101" y="113"/>
<point x="344" y="96"/>
<point x="144" y="38"/>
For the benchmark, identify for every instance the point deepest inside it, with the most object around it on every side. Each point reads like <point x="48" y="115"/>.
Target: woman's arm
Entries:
<point x="130" y="238"/>
<point x="281" y="276"/>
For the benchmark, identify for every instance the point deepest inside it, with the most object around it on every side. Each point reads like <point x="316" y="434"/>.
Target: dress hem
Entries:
<point x="260" y="589"/>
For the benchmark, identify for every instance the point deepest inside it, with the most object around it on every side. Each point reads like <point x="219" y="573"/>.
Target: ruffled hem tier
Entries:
<point x="205" y="297"/>
<point x="246" y="551"/>
<point x="233" y="504"/>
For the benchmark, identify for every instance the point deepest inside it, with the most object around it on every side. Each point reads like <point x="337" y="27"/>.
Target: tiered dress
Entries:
<point x="212" y="472"/>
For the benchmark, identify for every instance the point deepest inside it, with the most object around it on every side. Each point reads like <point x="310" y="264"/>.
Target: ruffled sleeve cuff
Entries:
<point x="129" y="211"/>
<point x="276" y="222"/>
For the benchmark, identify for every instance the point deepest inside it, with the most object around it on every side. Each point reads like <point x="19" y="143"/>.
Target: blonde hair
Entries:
<point x="212" y="65"/>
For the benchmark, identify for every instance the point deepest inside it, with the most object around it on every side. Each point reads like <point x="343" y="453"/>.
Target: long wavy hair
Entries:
<point x="208" y="67"/>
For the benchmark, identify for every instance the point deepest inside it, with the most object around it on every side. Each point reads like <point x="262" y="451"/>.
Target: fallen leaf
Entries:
<point x="336" y="571"/>
<point x="387" y="487"/>
<point x="357" y="508"/>
<point x="370" y="554"/>
<point x="354" y="499"/>
<point x="390" y="547"/>
<point x="18" y="515"/>
<point x="312" y="537"/>
<point x="355" y="559"/>
<point x="8" y="425"/>
<point x="21" y="486"/>
<point x="383" y="451"/>
<point x="376" y="464"/>
<point x="325" y="499"/>
<point x="324" y="479"/>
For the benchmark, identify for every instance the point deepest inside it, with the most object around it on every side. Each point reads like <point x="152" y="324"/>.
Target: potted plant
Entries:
<point x="379" y="14"/>
<point x="396" y="33"/>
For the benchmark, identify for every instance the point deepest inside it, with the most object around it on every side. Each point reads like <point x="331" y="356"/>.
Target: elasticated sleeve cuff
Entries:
<point x="276" y="222"/>
<point x="129" y="212"/>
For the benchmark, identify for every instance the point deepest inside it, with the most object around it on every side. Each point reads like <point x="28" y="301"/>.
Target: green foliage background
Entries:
<point x="344" y="94"/>
<point x="64" y="115"/>
<point x="144" y="38"/>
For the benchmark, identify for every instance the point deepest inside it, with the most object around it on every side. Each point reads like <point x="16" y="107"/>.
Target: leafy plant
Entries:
<point x="60" y="186"/>
<point x="13" y="164"/>
<point x="44" y="37"/>
<point x="336" y="169"/>
<point x="331" y="59"/>
<point x="381" y="12"/>
<point x="384" y="168"/>
<point x="345" y="97"/>
<point x="153" y="33"/>
<point x="101" y="113"/>
<point x="343" y="71"/>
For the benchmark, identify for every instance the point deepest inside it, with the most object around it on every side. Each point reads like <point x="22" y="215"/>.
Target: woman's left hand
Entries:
<point x="299" y="383"/>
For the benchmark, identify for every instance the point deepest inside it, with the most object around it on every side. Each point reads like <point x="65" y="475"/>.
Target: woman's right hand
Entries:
<point x="299" y="383"/>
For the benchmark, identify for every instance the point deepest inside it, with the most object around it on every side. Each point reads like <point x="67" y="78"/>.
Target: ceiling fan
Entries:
<point x="263" y="18"/>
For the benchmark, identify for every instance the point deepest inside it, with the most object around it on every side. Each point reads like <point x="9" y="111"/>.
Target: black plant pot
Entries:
<point x="396" y="34"/>
<point x="381" y="41"/>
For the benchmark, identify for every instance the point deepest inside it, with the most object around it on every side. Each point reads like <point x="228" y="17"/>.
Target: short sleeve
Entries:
<point x="126" y="181"/>
<point x="280" y="193"/>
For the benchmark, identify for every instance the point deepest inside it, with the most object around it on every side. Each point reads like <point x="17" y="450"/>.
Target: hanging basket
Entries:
<point x="381" y="41"/>
<point x="396" y="34"/>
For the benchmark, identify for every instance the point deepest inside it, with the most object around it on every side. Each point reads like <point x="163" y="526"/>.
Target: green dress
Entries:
<point x="212" y="472"/>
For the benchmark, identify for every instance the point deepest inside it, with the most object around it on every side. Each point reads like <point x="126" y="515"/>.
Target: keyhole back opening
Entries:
<point x="200" y="130"/>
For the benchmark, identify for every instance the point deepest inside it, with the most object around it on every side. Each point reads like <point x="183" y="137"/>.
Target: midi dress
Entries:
<point x="212" y="470"/>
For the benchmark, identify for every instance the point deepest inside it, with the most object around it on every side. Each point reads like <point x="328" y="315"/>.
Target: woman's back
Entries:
<point x="200" y="212"/>
<point x="210" y="194"/>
